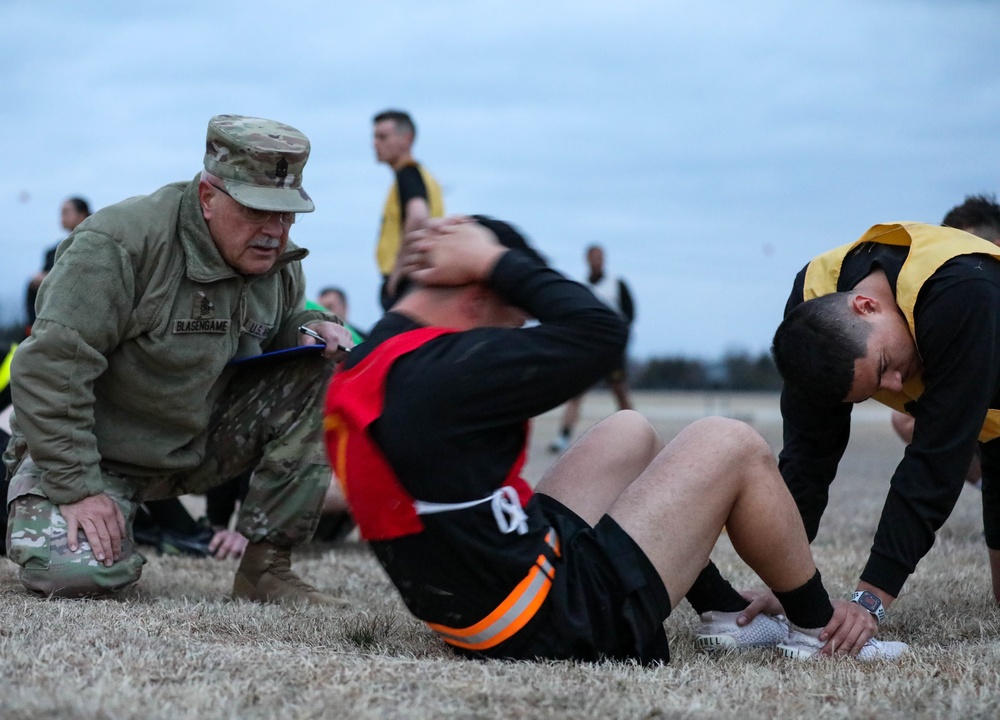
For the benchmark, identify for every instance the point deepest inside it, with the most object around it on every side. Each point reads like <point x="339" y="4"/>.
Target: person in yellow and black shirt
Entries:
<point x="910" y="315"/>
<point x="427" y="426"/>
<point x="414" y="196"/>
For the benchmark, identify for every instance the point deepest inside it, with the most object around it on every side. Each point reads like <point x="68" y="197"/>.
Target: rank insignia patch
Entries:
<point x="202" y="320"/>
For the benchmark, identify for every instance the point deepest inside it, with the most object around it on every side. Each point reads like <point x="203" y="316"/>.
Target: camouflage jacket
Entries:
<point x="136" y="324"/>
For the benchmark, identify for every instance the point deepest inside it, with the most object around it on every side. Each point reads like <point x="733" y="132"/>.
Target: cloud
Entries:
<point x="686" y="137"/>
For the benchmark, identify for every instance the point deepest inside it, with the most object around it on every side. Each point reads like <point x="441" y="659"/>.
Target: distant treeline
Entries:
<point x="736" y="371"/>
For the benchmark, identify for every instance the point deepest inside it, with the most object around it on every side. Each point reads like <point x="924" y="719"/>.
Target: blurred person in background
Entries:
<point x="613" y="292"/>
<point x="414" y="196"/>
<point x="73" y="212"/>
<point x="334" y="300"/>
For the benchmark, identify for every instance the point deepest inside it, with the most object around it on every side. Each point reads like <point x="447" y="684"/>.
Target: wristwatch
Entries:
<point x="871" y="603"/>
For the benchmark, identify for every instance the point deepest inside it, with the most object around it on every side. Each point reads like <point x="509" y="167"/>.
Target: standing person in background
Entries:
<point x="74" y="211"/>
<point x="415" y="195"/>
<point x="980" y="216"/>
<point x="614" y="293"/>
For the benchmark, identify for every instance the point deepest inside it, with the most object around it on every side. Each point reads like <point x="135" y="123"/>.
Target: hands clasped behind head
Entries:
<point x="449" y="251"/>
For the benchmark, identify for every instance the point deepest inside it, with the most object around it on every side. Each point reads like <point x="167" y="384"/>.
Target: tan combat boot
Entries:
<point x="265" y="575"/>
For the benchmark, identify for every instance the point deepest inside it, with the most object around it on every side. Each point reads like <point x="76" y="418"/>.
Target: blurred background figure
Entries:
<point x="336" y="523"/>
<point x="980" y="216"/>
<point x="414" y="196"/>
<point x="334" y="299"/>
<point x="73" y="212"/>
<point x="614" y="292"/>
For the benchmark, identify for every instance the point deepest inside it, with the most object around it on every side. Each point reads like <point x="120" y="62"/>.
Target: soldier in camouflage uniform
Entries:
<point x="127" y="390"/>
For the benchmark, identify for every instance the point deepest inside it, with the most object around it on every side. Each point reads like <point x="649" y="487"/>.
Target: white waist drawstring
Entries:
<point x="506" y="505"/>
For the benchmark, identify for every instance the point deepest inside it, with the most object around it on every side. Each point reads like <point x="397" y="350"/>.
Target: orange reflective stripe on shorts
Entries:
<point x="513" y="613"/>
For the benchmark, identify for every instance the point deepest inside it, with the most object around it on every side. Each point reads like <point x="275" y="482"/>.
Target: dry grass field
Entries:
<point x="175" y="646"/>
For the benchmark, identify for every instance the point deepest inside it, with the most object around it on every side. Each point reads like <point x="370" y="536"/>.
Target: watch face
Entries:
<point x="869" y="602"/>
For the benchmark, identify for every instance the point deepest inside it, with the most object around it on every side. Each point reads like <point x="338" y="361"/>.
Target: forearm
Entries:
<point x="921" y="497"/>
<point x="417" y="213"/>
<point x="814" y="440"/>
<point x="560" y="303"/>
<point x="956" y="325"/>
<point x="578" y="339"/>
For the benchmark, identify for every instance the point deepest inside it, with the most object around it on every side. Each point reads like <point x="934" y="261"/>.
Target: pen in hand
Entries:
<point x="313" y="334"/>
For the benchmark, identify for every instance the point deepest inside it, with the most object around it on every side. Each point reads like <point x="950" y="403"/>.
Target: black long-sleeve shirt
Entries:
<point x="453" y="425"/>
<point x="957" y="323"/>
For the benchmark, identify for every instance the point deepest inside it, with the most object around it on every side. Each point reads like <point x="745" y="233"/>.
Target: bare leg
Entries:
<point x="620" y="390"/>
<point x="571" y="415"/>
<point x="717" y="472"/>
<point x="594" y="471"/>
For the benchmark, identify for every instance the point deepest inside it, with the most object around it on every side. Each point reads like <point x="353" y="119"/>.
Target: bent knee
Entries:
<point x="86" y="578"/>
<point x="37" y="542"/>
<point x="637" y="428"/>
<point x="735" y="436"/>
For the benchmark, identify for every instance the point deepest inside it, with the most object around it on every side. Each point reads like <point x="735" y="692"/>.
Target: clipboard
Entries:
<point x="279" y="355"/>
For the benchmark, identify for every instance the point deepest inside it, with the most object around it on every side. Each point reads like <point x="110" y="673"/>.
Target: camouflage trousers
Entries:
<point x="269" y="419"/>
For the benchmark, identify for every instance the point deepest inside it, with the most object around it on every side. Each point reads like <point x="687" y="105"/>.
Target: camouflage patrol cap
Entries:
<point x="260" y="162"/>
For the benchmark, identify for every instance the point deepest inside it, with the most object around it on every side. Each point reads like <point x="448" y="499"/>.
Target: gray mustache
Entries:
<point x="268" y="243"/>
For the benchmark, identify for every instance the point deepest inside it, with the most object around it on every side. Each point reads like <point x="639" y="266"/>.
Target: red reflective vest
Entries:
<point x="381" y="506"/>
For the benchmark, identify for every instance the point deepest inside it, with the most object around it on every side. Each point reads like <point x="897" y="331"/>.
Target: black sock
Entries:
<point x="711" y="591"/>
<point x="807" y="606"/>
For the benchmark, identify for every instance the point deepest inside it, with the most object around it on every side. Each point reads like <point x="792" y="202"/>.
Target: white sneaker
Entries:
<point x="802" y="644"/>
<point x="719" y="631"/>
<point x="559" y="445"/>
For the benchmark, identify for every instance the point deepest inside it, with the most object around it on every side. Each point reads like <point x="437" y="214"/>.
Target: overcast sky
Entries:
<point x="712" y="147"/>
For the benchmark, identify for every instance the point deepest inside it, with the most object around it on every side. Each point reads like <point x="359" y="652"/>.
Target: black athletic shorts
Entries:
<point x="606" y="602"/>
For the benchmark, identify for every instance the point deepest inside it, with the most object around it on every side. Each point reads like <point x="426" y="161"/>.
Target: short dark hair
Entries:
<point x="816" y="345"/>
<point x="979" y="215"/>
<point x="334" y="289"/>
<point x="80" y="205"/>
<point x="510" y="237"/>
<point x="402" y="120"/>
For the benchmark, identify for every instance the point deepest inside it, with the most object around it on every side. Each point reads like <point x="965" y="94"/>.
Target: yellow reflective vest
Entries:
<point x="391" y="234"/>
<point x="931" y="246"/>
